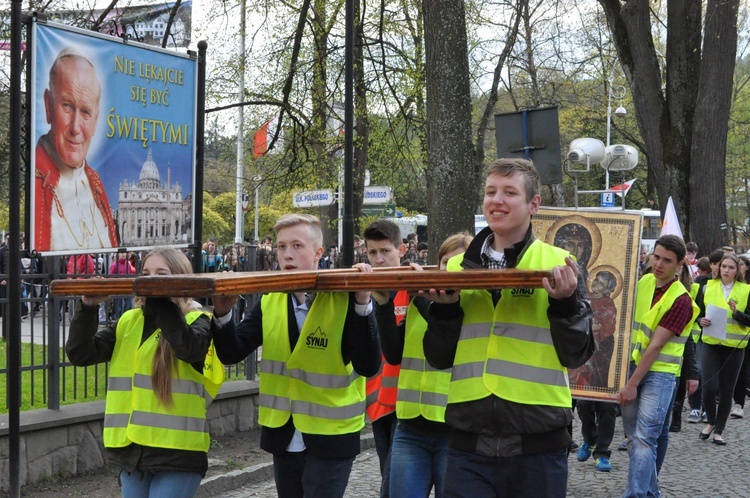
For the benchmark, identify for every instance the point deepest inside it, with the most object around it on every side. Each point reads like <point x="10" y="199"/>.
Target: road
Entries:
<point x="693" y="468"/>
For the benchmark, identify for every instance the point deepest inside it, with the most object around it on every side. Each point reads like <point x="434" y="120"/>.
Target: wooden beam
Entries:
<point x="233" y="283"/>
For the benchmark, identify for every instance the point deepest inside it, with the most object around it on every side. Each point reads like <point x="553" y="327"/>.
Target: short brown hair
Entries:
<point x="511" y="166"/>
<point x="383" y="229"/>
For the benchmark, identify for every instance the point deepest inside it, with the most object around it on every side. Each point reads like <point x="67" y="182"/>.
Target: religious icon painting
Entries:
<point x="605" y="244"/>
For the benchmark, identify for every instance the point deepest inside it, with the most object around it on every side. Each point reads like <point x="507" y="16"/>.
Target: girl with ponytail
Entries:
<point x="163" y="375"/>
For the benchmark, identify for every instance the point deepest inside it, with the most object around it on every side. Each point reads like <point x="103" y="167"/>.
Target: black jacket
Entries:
<point x="360" y="346"/>
<point x="497" y="427"/>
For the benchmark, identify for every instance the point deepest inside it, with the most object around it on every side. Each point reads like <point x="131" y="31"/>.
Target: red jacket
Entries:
<point x="81" y="264"/>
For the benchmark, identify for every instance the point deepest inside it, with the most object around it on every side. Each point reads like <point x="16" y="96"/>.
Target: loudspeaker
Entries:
<point x="532" y="134"/>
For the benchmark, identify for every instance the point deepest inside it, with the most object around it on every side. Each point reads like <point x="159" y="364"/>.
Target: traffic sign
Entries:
<point x="377" y="194"/>
<point x="312" y="198"/>
<point x="384" y="210"/>
<point x="608" y="199"/>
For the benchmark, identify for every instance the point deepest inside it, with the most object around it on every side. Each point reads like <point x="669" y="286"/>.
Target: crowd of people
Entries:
<point x="467" y="391"/>
<point x="698" y="350"/>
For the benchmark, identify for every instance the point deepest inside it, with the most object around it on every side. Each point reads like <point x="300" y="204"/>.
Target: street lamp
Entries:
<point x="619" y="112"/>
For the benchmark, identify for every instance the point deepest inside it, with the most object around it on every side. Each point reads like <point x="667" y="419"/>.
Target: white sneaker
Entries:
<point x="694" y="417"/>
<point x="737" y="412"/>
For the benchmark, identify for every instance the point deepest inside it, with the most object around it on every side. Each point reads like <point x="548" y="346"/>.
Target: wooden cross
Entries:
<point x="234" y="283"/>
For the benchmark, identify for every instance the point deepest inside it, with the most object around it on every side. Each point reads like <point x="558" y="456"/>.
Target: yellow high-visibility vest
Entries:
<point x="422" y="389"/>
<point x="737" y="334"/>
<point x="647" y="318"/>
<point x="133" y="413"/>
<point x="506" y="349"/>
<point x="311" y="383"/>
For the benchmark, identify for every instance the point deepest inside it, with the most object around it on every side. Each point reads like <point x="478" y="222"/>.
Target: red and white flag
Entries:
<point x="622" y="189"/>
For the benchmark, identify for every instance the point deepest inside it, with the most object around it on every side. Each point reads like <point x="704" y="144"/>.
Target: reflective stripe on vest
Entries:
<point x="422" y="389"/>
<point x="736" y="334"/>
<point x="506" y="349"/>
<point x="274" y="403"/>
<point x="647" y="318"/>
<point x="311" y="384"/>
<point x="133" y="413"/>
<point x="382" y="387"/>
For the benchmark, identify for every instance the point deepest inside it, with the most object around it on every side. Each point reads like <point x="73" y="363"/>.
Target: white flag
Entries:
<point x="671" y="225"/>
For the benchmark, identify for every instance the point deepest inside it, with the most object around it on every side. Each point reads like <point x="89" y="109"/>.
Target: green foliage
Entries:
<point x="4" y="216"/>
<point x="215" y="226"/>
<point x="225" y="203"/>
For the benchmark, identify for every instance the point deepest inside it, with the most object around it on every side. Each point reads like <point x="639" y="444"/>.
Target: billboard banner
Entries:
<point x="113" y="128"/>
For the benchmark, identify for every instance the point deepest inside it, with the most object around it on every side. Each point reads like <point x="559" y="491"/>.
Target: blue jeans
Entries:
<point x="302" y="474"/>
<point x="139" y="484"/>
<point x="383" y="430"/>
<point x="662" y="442"/>
<point x="418" y="461"/>
<point x="644" y="420"/>
<point x="479" y="476"/>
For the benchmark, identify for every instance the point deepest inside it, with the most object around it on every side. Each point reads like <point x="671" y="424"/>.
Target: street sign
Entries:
<point x="384" y="210"/>
<point x="377" y="194"/>
<point x="312" y="198"/>
<point x="608" y="199"/>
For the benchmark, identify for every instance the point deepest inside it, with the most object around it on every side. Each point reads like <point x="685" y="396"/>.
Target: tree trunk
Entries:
<point x="452" y="198"/>
<point x="684" y="129"/>
<point x="709" y="144"/>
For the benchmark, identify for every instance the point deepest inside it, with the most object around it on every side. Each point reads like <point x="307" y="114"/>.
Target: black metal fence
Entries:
<point x="49" y="380"/>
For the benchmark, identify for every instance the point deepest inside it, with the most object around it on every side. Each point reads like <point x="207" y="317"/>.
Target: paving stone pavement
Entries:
<point x="693" y="468"/>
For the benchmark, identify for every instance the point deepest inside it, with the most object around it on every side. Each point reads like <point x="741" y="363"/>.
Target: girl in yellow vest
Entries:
<point x="163" y="375"/>
<point x="420" y="445"/>
<point x="722" y="356"/>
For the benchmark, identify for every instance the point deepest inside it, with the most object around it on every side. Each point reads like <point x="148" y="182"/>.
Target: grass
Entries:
<point x="77" y="384"/>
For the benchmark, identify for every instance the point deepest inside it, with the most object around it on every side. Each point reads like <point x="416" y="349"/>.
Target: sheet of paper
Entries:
<point x="718" y="327"/>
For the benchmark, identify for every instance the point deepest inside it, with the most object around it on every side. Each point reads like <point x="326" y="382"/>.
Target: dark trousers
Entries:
<point x="299" y="475"/>
<point x="696" y="399"/>
<point x="478" y="476"/>
<point x="740" y="387"/>
<point x="597" y="425"/>
<point x="679" y="400"/>
<point x="383" y="430"/>
<point x="721" y="365"/>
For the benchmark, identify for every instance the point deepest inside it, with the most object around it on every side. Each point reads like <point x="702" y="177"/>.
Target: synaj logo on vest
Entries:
<point x="522" y="292"/>
<point x="317" y="340"/>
